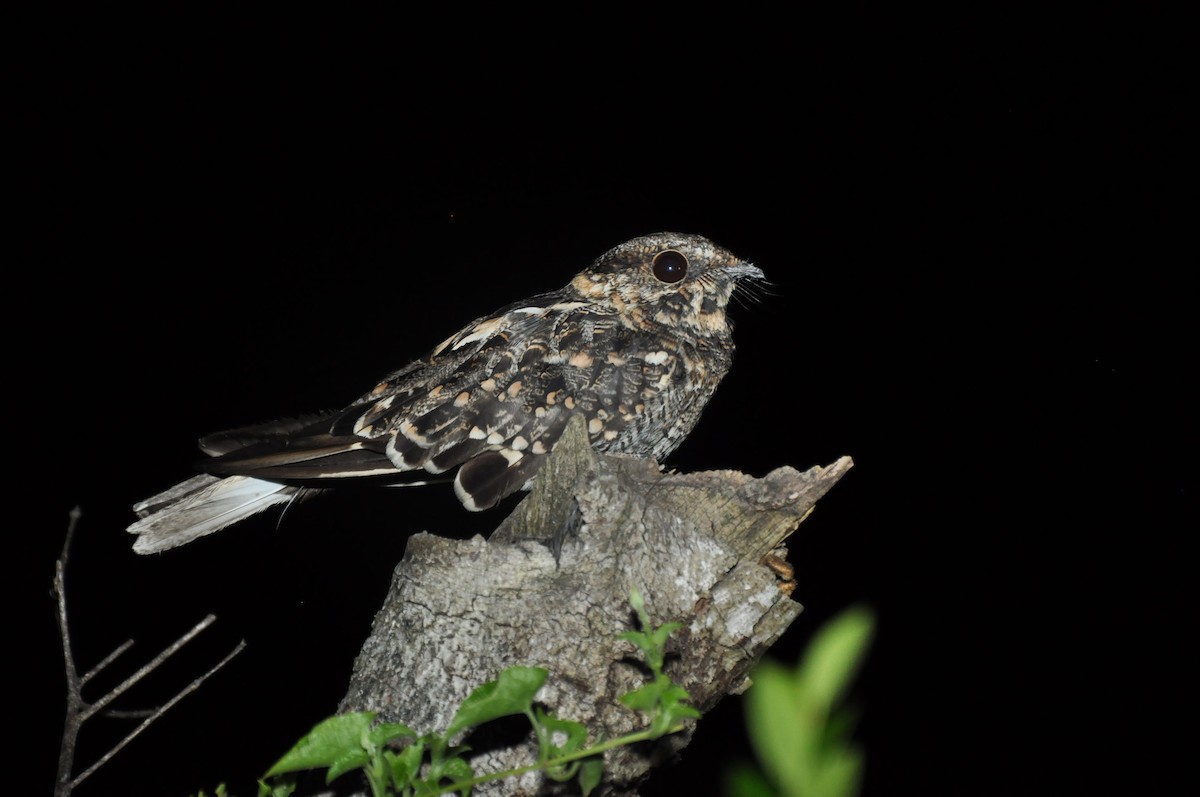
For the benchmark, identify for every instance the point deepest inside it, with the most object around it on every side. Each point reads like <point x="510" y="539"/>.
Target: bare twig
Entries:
<point x="149" y="667"/>
<point x="79" y="710"/>
<point x="107" y="660"/>
<point x="75" y="704"/>
<point x="192" y="687"/>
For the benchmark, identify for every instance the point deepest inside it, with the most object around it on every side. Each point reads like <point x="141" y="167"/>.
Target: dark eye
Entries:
<point x="670" y="266"/>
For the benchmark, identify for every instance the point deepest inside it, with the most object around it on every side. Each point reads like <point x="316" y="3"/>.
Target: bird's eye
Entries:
<point x="670" y="266"/>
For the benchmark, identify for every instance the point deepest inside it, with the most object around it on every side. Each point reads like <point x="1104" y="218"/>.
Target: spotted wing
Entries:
<point x="491" y="400"/>
<point x="499" y="415"/>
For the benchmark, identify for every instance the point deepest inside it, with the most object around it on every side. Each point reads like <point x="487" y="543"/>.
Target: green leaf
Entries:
<point x="591" y="770"/>
<point x="834" y="656"/>
<point x="386" y="732"/>
<point x="455" y="770"/>
<point x="350" y="761"/>
<point x="330" y="740"/>
<point x="840" y="774"/>
<point x="796" y="727"/>
<point x="644" y="698"/>
<point x="636" y="600"/>
<point x="668" y="717"/>
<point x="783" y="739"/>
<point x="574" y="737"/>
<point x="511" y="693"/>
<point x="744" y="780"/>
<point x="663" y="700"/>
<point x="282" y="790"/>
<point x="641" y="640"/>
<point x="405" y="764"/>
<point x="660" y="634"/>
<point x="672" y="711"/>
<point x="575" y="733"/>
<point x="276" y="790"/>
<point x="427" y="787"/>
<point x="674" y="694"/>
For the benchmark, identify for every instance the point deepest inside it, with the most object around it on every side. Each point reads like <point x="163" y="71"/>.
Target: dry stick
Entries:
<point x="79" y="711"/>
<point x="192" y="687"/>
<point x="66" y="752"/>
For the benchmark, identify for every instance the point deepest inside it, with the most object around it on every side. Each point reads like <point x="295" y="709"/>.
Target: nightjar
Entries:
<point x="636" y="343"/>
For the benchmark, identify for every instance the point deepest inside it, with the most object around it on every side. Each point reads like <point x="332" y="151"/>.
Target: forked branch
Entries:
<point x="80" y="710"/>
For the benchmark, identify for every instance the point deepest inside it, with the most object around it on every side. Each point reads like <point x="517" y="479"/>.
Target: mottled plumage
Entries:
<point x="637" y="343"/>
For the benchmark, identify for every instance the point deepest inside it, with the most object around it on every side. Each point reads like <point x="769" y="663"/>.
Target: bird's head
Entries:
<point x="666" y="278"/>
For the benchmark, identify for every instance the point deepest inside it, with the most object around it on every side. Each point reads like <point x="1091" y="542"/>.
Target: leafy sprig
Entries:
<point x="661" y="698"/>
<point x="428" y="764"/>
<point x="798" y="728"/>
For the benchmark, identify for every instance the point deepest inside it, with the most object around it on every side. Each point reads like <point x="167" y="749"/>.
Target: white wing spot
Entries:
<point x="482" y="332"/>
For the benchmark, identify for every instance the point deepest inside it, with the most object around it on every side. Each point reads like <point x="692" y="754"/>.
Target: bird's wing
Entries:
<point x="491" y="401"/>
<point x="419" y="420"/>
<point x="496" y="418"/>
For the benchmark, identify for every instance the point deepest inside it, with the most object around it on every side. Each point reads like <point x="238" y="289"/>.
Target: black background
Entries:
<point x="981" y="291"/>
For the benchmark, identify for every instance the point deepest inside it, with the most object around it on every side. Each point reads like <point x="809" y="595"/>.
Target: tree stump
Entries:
<point x="704" y="549"/>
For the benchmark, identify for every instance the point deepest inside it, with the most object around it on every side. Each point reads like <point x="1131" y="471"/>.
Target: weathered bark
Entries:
<point x="704" y="549"/>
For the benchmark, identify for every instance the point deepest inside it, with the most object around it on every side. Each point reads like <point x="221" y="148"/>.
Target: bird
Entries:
<point x="637" y="342"/>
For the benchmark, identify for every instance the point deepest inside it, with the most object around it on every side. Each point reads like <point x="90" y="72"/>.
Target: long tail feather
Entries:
<point x="200" y="506"/>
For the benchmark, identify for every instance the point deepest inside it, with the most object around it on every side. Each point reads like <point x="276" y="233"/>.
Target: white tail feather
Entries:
<point x="200" y="506"/>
